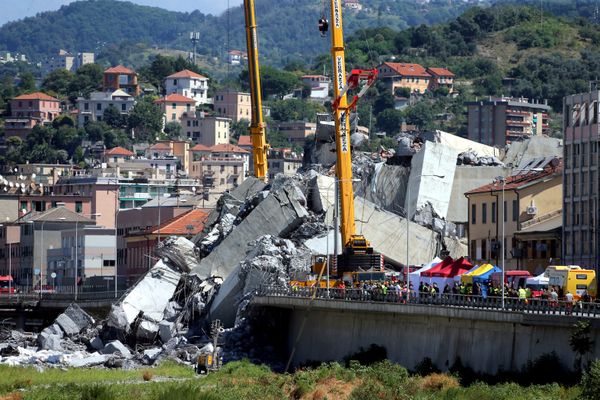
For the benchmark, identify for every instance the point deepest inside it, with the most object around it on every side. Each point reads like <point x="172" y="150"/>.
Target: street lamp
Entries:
<point x="408" y="218"/>
<point x="9" y="259"/>
<point x="502" y="180"/>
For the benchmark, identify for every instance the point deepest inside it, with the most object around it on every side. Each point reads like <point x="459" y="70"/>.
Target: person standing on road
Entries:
<point x="569" y="300"/>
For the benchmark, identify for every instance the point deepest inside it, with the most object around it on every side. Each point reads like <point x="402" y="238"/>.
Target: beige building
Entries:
<point x="175" y="107"/>
<point x="233" y="105"/>
<point x="297" y="131"/>
<point x="206" y="130"/>
<point x="223" y="169"/>
<point x="531" y="214"/>
<point x="403" y="75"/>
<point x="283" y="161"/>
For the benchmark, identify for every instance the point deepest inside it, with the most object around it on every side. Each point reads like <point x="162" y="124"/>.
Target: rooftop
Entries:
<point x="186" y="73"/>
<point x="440" y="72"/>
<point x="245" y="140"/>
<point x="200" y="147"/>
<point x="160" y="146"/>
<point x="119" y="69"/>
<point x="175" y="98"/>
<point x="408" y="69"/>
<point x="227" y="148"/>
<point x="57" y="214"/>
<point x="118" y="151"/>
<point x="36" y="96"/>
<point x="189" y="223"/>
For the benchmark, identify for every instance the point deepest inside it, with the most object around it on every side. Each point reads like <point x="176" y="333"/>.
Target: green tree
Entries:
<point x="94" y="130"/>
<point x="113" y="117"/>
<point x="58" y="82"/>
<point x="389" y="121"/>
<point x="590" y="383"/>
<point x="173" y="130"/>
<point x="275" y="82"/>
<point x="581" y="342"/>
<point x="239" y="128"/>
<point x="421" y="114"/>
<point x="146" y="119"/>
<point x="27" y="83"/>
<point x="295" y="110"/>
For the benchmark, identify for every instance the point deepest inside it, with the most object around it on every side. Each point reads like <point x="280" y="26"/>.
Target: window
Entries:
<point x="99" y="106"/>
<point x="473" y="214"/>
<point x="188" y="107"/>
<point x="173" y="116"/>
<point x="123" y="107"/>
<point x="515" y="210"/>
<point x="494" y="212"/>
<point x="108" y="263"/>
<point x="484" y="249"/>
<point x="174" y="81"/>
<point x="78" y="206"/>
<point x="484" y="213"/>
<point x="23" y="205"/>
<point x="86" y="106"/>
<point x="504" y="211"/>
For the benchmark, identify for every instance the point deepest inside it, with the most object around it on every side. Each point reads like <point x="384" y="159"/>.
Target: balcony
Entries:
<point x="510" y="122"/>
<point x="516" y="112"/>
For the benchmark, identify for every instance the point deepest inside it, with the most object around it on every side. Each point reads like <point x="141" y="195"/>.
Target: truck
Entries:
<point x="7" y="285"/>
<point x="574" y="279"/>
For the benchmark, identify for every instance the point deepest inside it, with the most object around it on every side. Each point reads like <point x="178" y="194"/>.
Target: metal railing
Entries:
<point x="485" y="303"/>
<point x="36" y="298"/>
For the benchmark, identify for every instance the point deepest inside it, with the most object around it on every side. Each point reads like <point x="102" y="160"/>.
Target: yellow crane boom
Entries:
<point x="257" y="124"/>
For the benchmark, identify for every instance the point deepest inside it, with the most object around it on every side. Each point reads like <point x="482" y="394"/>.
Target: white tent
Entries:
<point x="541" y="279"/>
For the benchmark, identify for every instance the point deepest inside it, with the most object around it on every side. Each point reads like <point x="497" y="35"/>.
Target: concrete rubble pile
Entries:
<point x="472" y="158"/>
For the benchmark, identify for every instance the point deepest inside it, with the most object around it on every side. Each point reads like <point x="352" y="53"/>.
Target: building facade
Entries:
<point x="404" y="75"/>
<point x="297" y="131"/>
<point x="531" y="215"/>
<point x="29" y="110"/>
<point x="121" y="77"/>
<point x="581" y="192"/>
<point x="319" y="85"/>
<point x="233" y="105"/>
<point x="283" y="161"/>
<point x="206" y="130"/>
<point x="496" y="122"/>
<point x="92" y="108"/>
<point x="175" y="107"/>
<point x="188" y="84"/>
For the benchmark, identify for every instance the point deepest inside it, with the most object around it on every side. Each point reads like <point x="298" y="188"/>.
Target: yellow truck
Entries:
<point x="574" y="279"/>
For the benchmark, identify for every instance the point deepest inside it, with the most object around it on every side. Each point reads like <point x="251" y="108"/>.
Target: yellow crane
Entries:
<point x="257" y="124"/>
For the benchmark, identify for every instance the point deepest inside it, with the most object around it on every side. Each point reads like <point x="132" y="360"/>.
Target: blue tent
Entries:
<point x="484" y="278"/>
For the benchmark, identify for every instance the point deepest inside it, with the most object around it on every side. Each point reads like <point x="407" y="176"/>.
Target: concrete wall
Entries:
<point x="466" y="178"/>
<point x="485" y="341"/>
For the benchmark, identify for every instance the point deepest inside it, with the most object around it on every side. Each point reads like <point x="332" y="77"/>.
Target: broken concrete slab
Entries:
<point x="96" y="343"/>
<point x="278" y="214"/>
<point x="179" y="251"/>
<point x="74" y="320"/>
<point x="85" y="362"/>
<point x="166" y="330"/>
<point x="50" y="338"/>
<point x="116" y="347"/>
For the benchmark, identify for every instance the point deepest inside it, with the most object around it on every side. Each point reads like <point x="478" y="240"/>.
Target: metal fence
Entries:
<point x="488" y="303"/>
<point x="34" y="298"/>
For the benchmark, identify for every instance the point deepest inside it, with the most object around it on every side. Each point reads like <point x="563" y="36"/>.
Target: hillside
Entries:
<point x="285" y="26"/>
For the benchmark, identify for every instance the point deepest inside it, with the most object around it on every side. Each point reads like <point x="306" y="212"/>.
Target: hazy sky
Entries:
<point x="11" y="10"/>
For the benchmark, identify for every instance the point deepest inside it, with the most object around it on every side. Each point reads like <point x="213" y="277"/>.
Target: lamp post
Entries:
<point x="408" y="218"/>
<point x="497" y="180"/>
<point x="9" y="258"/>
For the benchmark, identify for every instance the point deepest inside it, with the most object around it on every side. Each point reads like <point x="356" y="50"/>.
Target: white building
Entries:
<point x="235" y="57"/>
<point x="319" y="85"/>
<point x="189" y="84"/>
<point x="206" y="130"/>
<point x="92" y="109"/>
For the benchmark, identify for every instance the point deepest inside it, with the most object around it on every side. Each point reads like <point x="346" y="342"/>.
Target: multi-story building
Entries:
<point x="403" y="75"/>
<point x="235" y="57"/>
<point x="69" y="61"/>
<point x="498" y="121"/>
<point x="29" y="110"/>
<point x="176" y="106"/>
<point x="204" y="129"/>
<point x="283" y="161"/>
<point x="117" y="155"/>
<point x="233" y="105"/>
<point x="120" y="77"/>
<point x="441" y="77"/>
<point x="531" y="215"/>
<point x="297" y="131"/>
<point x="92" y="108"/>
<point x="319" y="85"/>
<point x="581" y="204"/>
<point x="188" y="84"/>
<point x="171" y="148"/>
<point x="224" y="169"/>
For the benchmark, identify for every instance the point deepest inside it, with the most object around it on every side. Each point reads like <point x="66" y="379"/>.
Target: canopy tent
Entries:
<point x="477" y="271"/>
<point x="540" y="280"/>
<point x="415" y="275"/>
<point x="457" y="278"/>
<point x="443" y="274"/>
<point x="437" y="269"/>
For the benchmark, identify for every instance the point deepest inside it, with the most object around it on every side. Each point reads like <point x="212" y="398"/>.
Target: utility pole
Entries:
<point x="195" y="38"/>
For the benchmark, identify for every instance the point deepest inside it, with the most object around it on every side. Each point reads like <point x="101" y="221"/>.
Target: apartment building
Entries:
<point x="175" y="107"/>
<point x="205" y="129"/>
<point x="404" y="75"/>
<point x="283" y="161"/>
<point x="498" y="121"/>
<point x="441" y="77"/>
<point x="29" y="110"/>
<point x="92" y="108"/>
<point x="223" y="169"/>
<point x="233" y="105"/>
<point x="188" y="84"/>
<point x="297" y="131"/>
<point x="531" y="215"/>
<point x="121" y="77"/>
<point x="581" y="192"/>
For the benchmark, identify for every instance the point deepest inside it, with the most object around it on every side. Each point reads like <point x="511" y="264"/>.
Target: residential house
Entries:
<point x="404" y="75"/>
<point x="166" y="149"/>
<point x="235" y="57"/>
<point x="142" y="244"/>
<point x="29" y="110"/>
<point x="93" y="107"/>
<point x="188" y="84"/>
<point x="117" y="155"/>
<point x="283" y="161"/>
<point x="205" y="129"/>
<point x="245" y="142"/>
<point x="531" y="215"/>
<point x="225" y="168"/>
<point x="233" y="105"/>
<point x="297" y="131"/>
<point x="121" y="77"/>
<point x="319" y="85"/>
<point x="176" y="106"/>
<point x="498" y="121"/>
<point x="441" y="77"/>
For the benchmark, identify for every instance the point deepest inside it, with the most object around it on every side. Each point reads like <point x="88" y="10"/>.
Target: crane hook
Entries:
<point x="323" y="26"/>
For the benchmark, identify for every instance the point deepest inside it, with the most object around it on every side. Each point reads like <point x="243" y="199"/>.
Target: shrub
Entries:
<point x="590" y="383"/>
<point x="373" y="354"/>
<point x="439" y="382"/>
<point x="95" y="392"/>
<point x="426" y="367"/>
<point x="147" y="375"/>
<point x="545" y="369"/>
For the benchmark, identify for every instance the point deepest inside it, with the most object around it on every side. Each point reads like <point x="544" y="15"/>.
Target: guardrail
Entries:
<point x="488" y="303"/>
<point x="36" y="298"/>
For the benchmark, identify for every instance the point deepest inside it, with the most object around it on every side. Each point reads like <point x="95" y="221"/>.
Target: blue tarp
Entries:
<point x="483" y="278"/>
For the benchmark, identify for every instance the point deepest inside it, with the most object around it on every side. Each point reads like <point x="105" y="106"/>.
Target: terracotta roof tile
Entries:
<point x="227" y="148"/>
<point x="118" y="151"/>
<point x="245" y="140"/>
<point x="36" y="96"/>
<point x="440" y="72"/>
<point x="406" y="69"/>
<point x="190" y="223"/>
<point x="119" y="69"/>
<point x="186" y="73"/>
<point x="200" y="147"/>
<point x="160" y="146"/>
<point x="175" y="98"/>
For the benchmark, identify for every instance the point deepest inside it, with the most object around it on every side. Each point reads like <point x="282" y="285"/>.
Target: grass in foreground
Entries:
<point x="242" y="380"/>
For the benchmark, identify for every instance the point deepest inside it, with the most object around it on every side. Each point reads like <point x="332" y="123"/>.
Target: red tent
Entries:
<point x="434" y="271"/>
<point x="449" y="270"/>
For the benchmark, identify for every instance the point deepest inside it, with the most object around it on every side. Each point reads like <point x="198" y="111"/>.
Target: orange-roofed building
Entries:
<point x="29" y="110"/>
<point x="175" y="107"/>
<point x="245" y="142"/>
<point x="405" y="75"/>
<point x="141" y="244"/>
<point x="188" y="84"/>
<point x="441" y="77"/>
<point x="121" y="77"/>
<point x="531" y="214"/>
<point x="222" y="169"/>
<point x="171" y="148"/>
<point x="117" y="155"/>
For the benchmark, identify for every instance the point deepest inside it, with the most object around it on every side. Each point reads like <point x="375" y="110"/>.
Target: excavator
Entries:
<point x="258" y="135"/>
